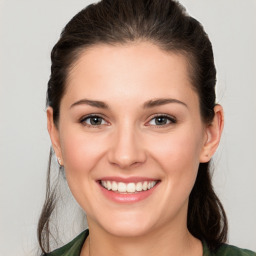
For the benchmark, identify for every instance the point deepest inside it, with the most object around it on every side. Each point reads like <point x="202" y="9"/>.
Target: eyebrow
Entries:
<point x="160" y="102"/>
<point x="93" y="103"/>
<point x="148" y="104"/>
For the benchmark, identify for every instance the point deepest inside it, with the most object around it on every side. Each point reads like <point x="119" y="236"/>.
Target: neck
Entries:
<point x="165" y="242"/>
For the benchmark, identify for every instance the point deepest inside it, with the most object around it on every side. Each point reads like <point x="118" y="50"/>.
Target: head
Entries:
<point x="126" y="61"/>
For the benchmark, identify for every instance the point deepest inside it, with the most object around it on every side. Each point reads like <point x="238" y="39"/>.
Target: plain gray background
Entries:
<point x="28" y="31"/>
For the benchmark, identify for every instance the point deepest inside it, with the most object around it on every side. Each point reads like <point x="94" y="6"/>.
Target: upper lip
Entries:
<point x="127" y="179"/>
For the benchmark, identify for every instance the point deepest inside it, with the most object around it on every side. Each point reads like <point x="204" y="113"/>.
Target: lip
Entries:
<point x="127" y="179"/>
<point x="127" y="197"/>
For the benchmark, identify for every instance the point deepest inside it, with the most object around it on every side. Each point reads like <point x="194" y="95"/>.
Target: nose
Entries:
<point x="126" y="150"/>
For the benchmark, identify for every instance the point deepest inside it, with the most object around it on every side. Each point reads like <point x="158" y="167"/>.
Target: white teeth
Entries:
<point x="109" y="185"/>
<point x="145" y="185"/>
<point x="128" y="188"/>
<point x="121" y="187"/>
<point x="139" y="186"/>
<point x="131" y="187"/>
<point x="114" y="186"/>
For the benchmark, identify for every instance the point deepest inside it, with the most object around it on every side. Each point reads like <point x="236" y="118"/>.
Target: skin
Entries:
<point x="128" y="142"/>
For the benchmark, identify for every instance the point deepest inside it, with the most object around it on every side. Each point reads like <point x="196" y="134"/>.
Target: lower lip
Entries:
<point x="129" y="197"/>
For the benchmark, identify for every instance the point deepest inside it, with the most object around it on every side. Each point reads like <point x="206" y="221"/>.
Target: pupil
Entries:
<point x="161" y="120"/>
<point x="95" y="120"/>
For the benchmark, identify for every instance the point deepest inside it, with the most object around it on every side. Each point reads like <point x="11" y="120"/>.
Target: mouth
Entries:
<point x="128" y="188"/>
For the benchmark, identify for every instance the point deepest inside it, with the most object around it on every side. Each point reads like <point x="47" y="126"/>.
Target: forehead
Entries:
<point x="132" y="71"/>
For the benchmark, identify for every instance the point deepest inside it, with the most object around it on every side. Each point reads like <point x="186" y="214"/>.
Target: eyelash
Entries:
<point x="83" y="120"/>
<point x="170" y="119"/>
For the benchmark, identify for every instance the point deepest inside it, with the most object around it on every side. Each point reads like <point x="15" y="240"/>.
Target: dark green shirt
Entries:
<point x="75" y="246"/>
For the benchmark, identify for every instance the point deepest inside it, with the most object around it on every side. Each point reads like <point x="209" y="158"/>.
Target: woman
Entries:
<point x="133" y="123"/>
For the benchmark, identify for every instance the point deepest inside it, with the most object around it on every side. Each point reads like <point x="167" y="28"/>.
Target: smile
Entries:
<point x="131" y="187"/>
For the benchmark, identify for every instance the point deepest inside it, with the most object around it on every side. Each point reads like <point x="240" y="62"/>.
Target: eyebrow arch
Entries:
<point x="93" y="103"/>
<point x="158" y="102"/>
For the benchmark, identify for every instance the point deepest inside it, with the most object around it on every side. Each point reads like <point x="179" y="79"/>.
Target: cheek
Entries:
<point x="178" y="156"/>
<point x="179" y="148"/>
<point x="81" y="151"/>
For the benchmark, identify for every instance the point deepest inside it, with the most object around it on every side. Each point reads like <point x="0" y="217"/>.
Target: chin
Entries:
<point x="127" y="225"/>
<point x="127" y="230"/>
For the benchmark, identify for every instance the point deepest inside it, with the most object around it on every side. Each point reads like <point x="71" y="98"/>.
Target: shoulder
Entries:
<point x="73" y="248"/>
<point x="230" y="250"/>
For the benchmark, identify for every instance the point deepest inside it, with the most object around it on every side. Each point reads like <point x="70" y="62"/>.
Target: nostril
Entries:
<point x="125" y="159"/>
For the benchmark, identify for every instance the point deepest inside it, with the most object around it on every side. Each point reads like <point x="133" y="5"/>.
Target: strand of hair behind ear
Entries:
<point x="206" y="216"/>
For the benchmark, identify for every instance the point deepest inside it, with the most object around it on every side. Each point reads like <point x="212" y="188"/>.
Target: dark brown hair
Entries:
<point x="166" y="24"/>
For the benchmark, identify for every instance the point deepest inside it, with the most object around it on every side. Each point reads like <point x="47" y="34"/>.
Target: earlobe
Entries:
<point x="54" y="134"/>
<point x="213" y="135"/>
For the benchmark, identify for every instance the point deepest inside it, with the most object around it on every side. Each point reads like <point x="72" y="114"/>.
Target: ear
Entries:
<point x="54" y="134"/>
<point x="213" y="134"/>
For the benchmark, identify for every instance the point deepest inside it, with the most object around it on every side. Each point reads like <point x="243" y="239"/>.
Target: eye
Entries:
<point x="161" y="120"/>
<point x="93" y="120"/>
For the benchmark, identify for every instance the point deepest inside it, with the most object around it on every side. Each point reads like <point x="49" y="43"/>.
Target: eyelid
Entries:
<point x="83" y="118"/>
<point x="172" y="120"/>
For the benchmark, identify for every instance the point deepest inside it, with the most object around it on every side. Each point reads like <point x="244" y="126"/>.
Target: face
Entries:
<point x="130" y="137"/>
